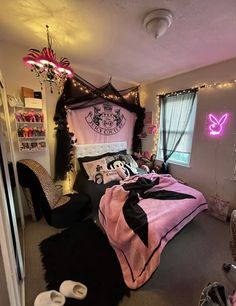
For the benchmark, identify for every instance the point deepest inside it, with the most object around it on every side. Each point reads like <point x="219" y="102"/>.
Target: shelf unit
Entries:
<point x="31" y="134"/>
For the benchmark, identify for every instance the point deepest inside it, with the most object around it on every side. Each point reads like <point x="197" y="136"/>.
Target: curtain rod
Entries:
<point x="182" y="91"/>
<point x="205" y="85"/>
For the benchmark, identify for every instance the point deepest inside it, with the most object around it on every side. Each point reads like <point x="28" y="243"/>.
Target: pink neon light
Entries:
<point x="216" y="128"/>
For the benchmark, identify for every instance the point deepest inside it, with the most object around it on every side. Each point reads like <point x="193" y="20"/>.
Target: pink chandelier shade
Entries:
<point x="46" y="67"/>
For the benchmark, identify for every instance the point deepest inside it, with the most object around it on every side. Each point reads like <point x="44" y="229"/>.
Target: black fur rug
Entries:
<point x="82" y="253"/>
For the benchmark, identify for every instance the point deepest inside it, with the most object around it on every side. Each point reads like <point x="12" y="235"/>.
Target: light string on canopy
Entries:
<point x="88" y="90"/>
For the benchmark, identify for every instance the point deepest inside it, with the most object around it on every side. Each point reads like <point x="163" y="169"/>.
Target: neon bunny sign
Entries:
<point x="216" y="125"/>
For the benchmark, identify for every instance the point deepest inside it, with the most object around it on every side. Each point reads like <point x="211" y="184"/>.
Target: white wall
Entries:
<point x="211" y="165"/>
<point x="16" y="75"/>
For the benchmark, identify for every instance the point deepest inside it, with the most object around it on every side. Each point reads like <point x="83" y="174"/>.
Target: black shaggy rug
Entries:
<point x="82" y="253"/>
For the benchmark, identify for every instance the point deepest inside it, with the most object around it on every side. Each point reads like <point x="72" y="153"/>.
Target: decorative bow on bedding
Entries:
<point x="141" y="216"/>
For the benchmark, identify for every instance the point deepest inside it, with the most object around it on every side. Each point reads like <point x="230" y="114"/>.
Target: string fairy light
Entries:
<point x="228" y="84"/>
<point x="157" y="120"/>
<point x="198" y="87"/>
<point x="87" y="90"/>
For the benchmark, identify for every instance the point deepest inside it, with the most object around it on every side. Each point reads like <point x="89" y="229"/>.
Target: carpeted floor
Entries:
<point x="191" y="260"/>
<point x="82" y="253"/>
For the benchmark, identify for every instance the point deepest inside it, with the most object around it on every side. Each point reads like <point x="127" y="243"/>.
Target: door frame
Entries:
<point x="14" y="273"/>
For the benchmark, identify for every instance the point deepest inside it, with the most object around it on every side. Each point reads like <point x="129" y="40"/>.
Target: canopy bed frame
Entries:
<point x="139" y="212"/>
<point x="79" y="94"/>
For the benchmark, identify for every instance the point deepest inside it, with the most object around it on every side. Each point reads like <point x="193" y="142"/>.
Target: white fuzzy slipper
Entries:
<point x="73" y="289"/>
<point x="50" y="298"/>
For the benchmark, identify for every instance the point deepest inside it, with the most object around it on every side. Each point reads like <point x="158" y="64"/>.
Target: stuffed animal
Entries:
<point x="119" y="166"/>
<point x="18" y="117"/>
<point x="30" y="132"/>
<point x="31" y="116"/>
<point x="41" y="117"/>
<point x="42" y="131"/>
<point x="20" y="132"/>
<point x="35" y="132"/>
<point x="25" y="131"/>
<point x="145" y="167"/>
<point x="148" y="162"/>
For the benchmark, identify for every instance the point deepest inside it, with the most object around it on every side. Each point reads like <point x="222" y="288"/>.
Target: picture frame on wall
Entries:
<point x="34" y="145"/>
<point x="25" y="146"/>
<point x="42" y="145"/>
<point x="152" y="129"/>
<point x="148" y="118"/>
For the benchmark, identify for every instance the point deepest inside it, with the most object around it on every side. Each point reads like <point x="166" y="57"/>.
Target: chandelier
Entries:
<point x="46" y="67"/>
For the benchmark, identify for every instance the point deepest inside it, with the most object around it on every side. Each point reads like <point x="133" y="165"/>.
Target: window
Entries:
<point x="177" y="118"/>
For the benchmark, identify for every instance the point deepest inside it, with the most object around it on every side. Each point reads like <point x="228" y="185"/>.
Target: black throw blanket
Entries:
<point x="134" y="215"/>
<point x="82" y="253"/>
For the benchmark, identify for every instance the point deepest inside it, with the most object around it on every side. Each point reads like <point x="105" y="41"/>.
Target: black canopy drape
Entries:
<point x="78" y="94"/>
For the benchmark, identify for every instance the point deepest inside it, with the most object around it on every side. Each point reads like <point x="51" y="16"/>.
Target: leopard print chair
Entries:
<point x="44" y="199"/>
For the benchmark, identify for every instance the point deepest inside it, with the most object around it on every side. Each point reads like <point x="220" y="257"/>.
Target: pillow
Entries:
<point x="106" y="176"/>
<point x="85" y="159"/>
<point x="91" y="158"/>
<point x="129" y="163"/>
<point x="94" y="167"/>
<point x="129" y="160"/>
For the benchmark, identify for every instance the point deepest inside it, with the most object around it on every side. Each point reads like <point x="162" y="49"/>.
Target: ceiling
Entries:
<point x="108" y="36"/>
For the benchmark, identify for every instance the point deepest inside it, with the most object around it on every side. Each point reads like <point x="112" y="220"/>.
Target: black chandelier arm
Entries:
<point x="49" y="39"/>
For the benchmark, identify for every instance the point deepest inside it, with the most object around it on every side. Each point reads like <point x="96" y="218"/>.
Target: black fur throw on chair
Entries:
<point x="44" y="199"/>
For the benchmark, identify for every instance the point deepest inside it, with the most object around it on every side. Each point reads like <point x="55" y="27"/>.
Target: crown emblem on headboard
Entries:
<point x="108" y="121"/>
<point x="107" y="107"/>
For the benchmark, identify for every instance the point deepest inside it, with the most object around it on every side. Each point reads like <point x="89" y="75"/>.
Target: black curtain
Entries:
<point x="79" y="93"/>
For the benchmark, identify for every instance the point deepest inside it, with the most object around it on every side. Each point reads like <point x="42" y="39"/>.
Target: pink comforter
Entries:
<point x="165" y="219"/>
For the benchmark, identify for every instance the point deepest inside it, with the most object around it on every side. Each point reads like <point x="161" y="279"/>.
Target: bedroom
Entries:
<point x="155" y="65"/>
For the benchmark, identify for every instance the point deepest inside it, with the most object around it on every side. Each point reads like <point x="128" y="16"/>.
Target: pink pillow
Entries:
<point x="94" y="167"/>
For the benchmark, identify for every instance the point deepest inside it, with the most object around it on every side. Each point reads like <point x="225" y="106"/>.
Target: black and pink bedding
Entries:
<point x="141" y="215"/>
<point x="90" y="188"/>
<point x="106" y="167"/>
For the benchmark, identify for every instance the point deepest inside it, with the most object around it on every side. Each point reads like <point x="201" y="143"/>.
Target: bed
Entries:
<point x="140" y="213"/>
<point x="90" y="153"/>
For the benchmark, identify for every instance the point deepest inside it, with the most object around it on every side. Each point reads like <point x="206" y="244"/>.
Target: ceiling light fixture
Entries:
<point x="158" y="21"/>
<point x="46" y="66"/>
